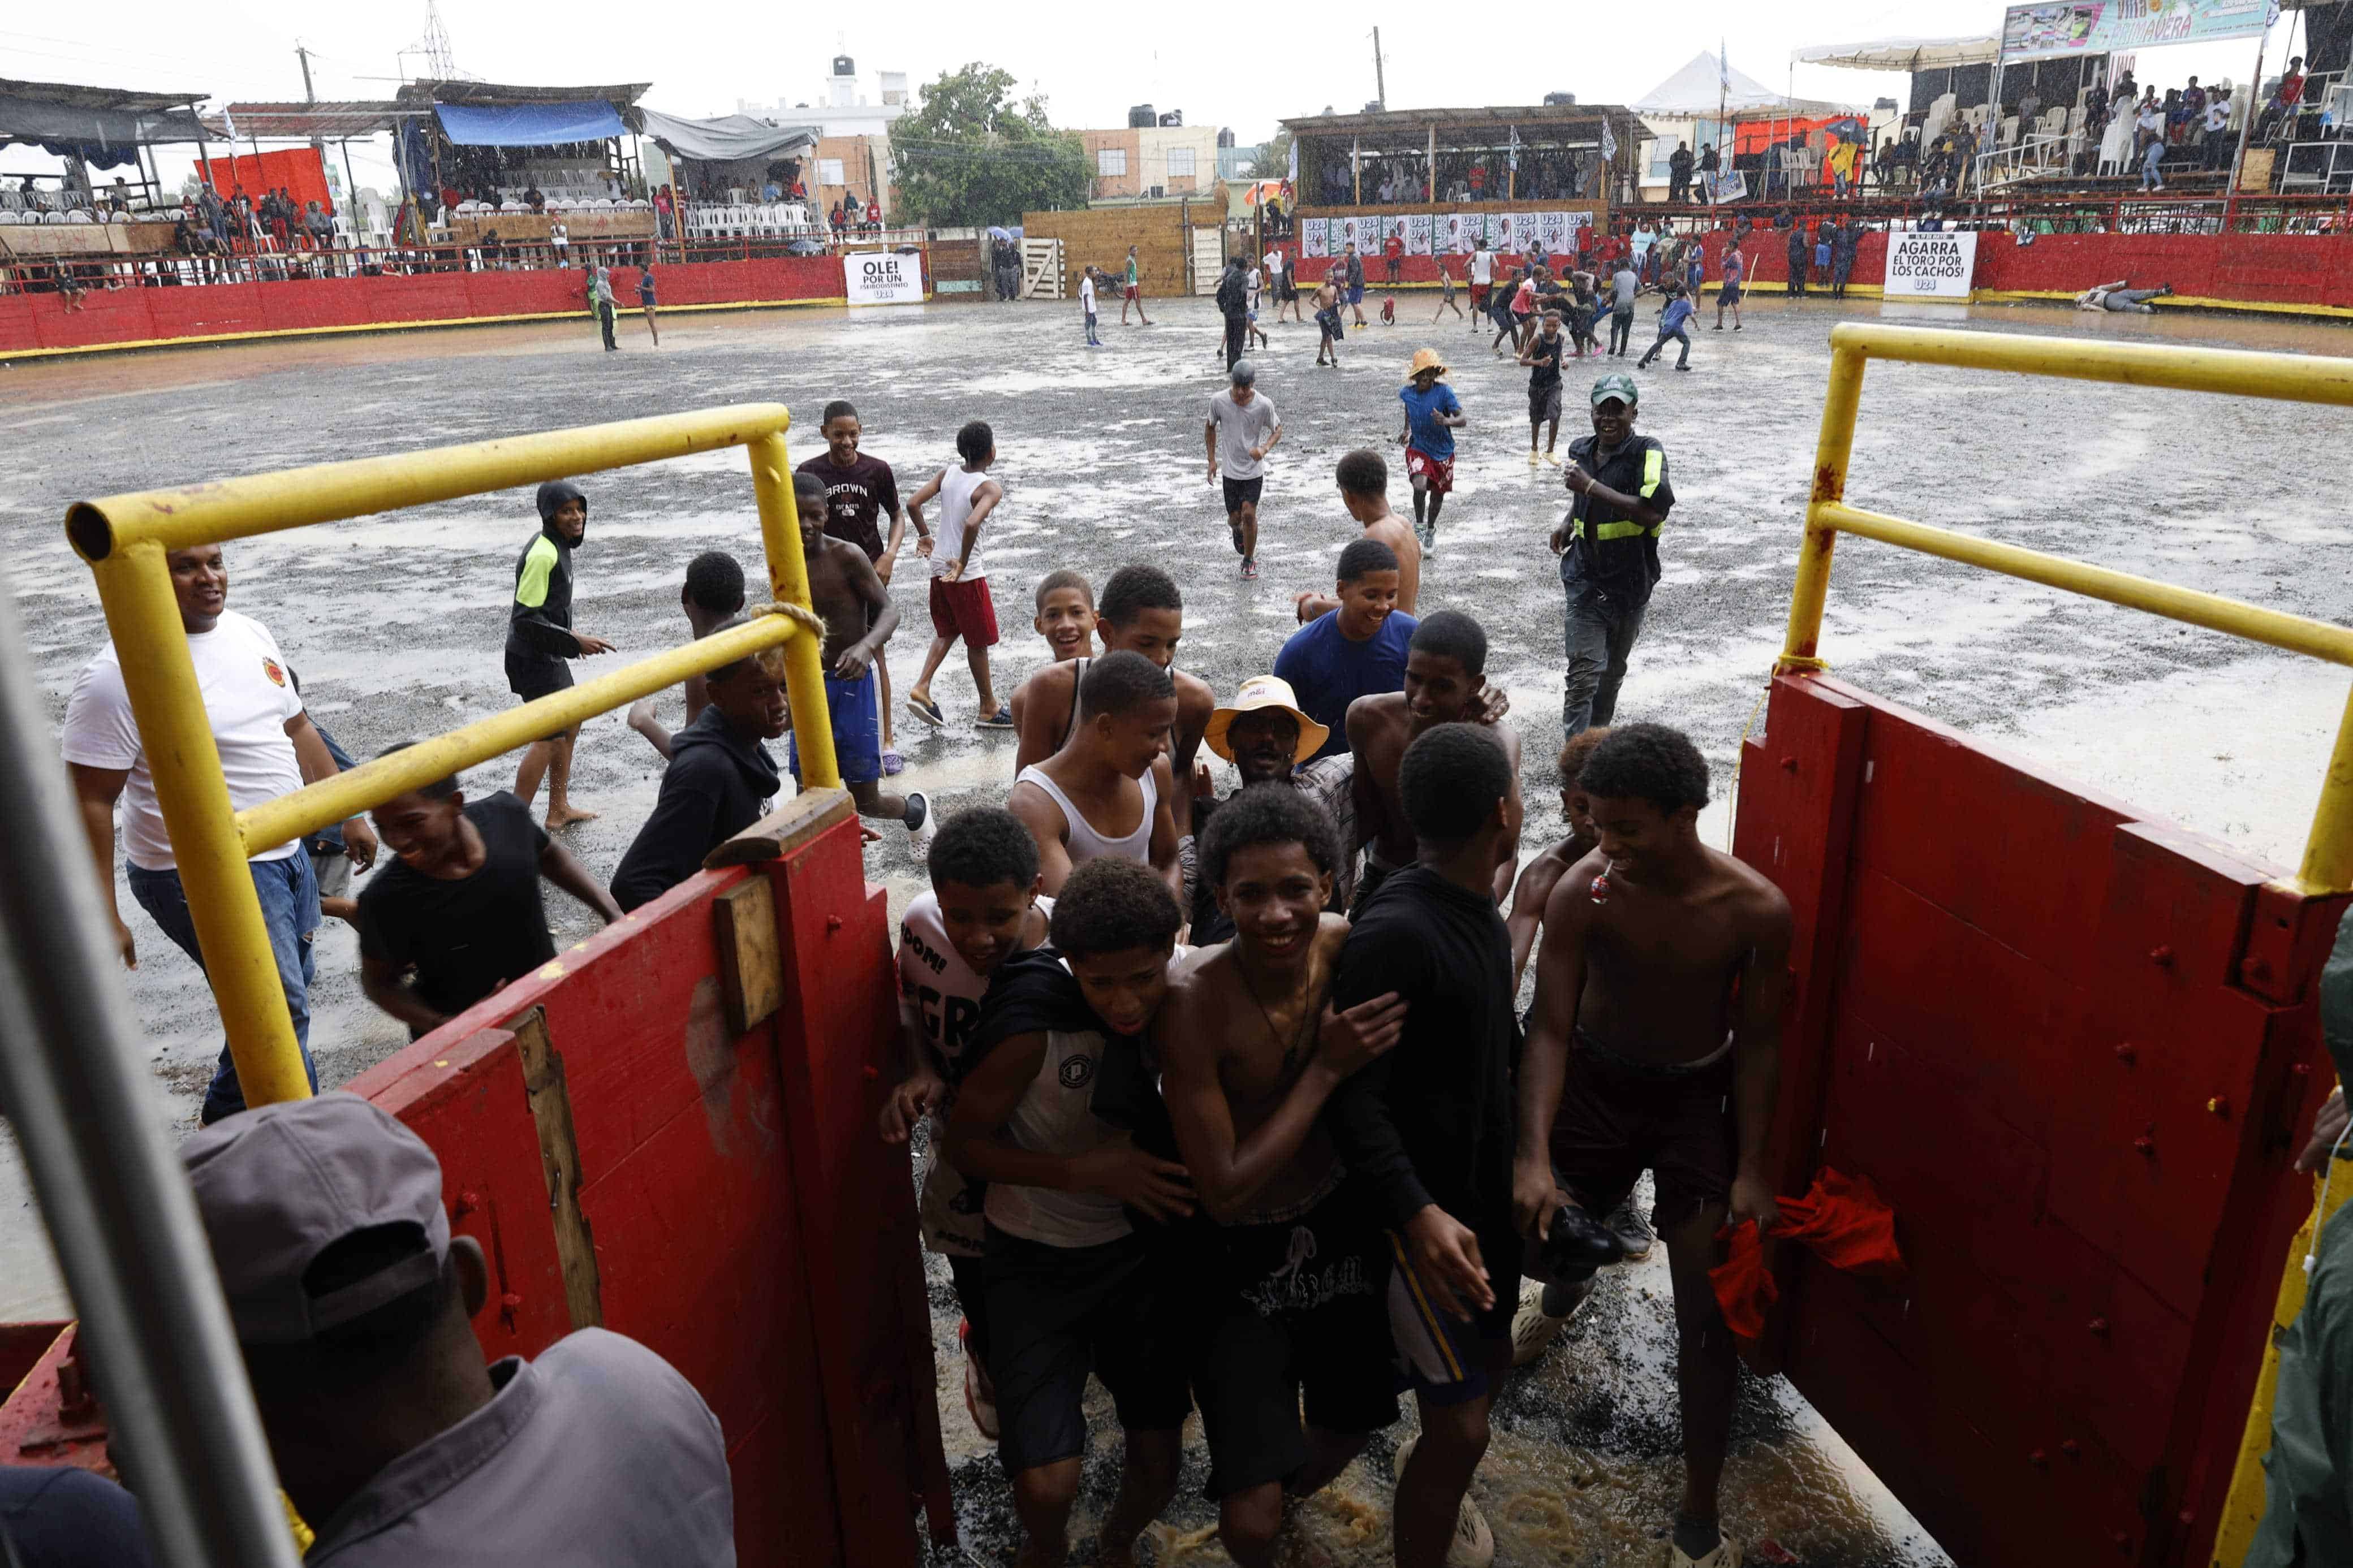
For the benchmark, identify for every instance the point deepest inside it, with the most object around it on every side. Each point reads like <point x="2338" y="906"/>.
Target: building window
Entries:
<point x="828" y="172"/>
<point x="1111" y="163"/>
<point x="1181" y="161"/>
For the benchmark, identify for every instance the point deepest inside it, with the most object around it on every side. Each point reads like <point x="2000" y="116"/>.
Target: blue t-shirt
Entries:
<point x="1421" y="410"/>
<point x="1679" y="311"/>
<point x="1327" y="671"/>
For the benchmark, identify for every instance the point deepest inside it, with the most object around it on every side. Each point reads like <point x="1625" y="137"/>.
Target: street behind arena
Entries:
<point x="397" y="624"/>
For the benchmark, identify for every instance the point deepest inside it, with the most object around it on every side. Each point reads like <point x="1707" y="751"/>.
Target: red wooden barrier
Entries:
<point x="2072" y="1048"/>
<point x="626" y="1158"/>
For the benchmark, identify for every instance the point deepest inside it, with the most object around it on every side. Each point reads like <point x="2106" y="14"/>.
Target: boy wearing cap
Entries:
<point x="540" y="639"/>
<point x="1432" y="415"/>
<point x="1242" y="428"/>
<point x="1608" y="550"/>
<point x="352" y="1303"/>
<point x="1270" y="740"/>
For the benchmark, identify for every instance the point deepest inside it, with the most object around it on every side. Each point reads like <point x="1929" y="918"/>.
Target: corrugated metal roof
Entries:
<point x="71" y="95"/>
<point x="1565" y="115"/>
<point x="327" y="120"/>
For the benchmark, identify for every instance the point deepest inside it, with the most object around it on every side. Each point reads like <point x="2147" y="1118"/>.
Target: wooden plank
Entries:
<point x="751" y="972"/>
<point x="785" y="830"/>
<point x="559" y="1158"/>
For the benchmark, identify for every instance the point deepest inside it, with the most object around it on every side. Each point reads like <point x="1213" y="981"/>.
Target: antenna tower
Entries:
<point x="440" y="60"/>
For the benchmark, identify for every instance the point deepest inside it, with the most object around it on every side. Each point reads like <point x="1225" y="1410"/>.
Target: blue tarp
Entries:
<point x="529" y="125"/>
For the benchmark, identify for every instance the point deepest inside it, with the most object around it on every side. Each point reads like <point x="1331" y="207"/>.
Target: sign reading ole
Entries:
<point x="882" y="278"/>
<point x="1931" y="266"/>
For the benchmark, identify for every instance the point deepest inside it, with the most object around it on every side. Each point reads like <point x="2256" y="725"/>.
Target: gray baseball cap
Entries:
<point x="278" y="1185"/>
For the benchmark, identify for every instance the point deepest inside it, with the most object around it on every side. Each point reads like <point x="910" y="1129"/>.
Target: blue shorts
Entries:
<point x="857" y="730"/>
<point x="1356" y="293"/>
<point x="1444" y="1360"/>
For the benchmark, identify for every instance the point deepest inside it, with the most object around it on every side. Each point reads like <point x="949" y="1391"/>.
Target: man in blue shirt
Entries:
<point x="1608" y="550"/>
<point x="1673" y="325"/>
<point x="1353" y="651"/>
<point x="1432" y="415"/>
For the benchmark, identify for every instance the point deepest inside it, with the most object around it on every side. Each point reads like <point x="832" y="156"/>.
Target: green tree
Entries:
<point x="1273" y="158"/>
<point x="971" y="153"/>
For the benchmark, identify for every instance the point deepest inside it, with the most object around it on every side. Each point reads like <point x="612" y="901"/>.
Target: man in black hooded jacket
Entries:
<point x="720" y="779"/>
<point x="540" y="639"/>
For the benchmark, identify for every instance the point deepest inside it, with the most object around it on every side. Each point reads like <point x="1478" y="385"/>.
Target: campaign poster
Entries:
<point x="882" y="278"/>
<point x="1311" y="232"/>
<point x="1350" y="230"/>
<point x="1552" y="227"/>
<point x="1936" y="265"/>
<point x="1418" y="228"/>
<point x="1506" y="233"/>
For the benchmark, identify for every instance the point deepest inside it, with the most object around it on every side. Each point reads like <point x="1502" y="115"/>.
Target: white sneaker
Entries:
<point x="1473" y="1545"/>
<point x="1725" y="1555"/>
<point x="1533" y="1329"/>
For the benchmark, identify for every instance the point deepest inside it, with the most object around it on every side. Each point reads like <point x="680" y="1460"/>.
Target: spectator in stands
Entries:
<point x="321" y="227"/>
<point x="666" y="212"/>
<point x="2190" y="124"/>
<point x="2285" y="98"/>
<point x="533" y="198"/>
<point x="874" y="214"/>
<point x="2219" y="150"/>
<point x="1679" y="174"/>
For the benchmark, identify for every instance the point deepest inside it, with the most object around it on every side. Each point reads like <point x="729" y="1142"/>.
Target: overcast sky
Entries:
<point x="1243" y="67"/>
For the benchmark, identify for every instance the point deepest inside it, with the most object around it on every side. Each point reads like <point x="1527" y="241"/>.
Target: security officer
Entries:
<point x="353" y="1306"/>
<point x="1608" y="550"/>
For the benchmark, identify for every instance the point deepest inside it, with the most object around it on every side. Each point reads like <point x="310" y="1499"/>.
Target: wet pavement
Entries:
<point x="395" y="626"/>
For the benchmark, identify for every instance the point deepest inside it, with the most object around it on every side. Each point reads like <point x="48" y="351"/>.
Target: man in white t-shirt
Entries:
<point x="268" y="748"/>
<point x="1087" y="303"/>
<point x="1279" y="287"/>
<point x="1483" y="278"/>
<point x="1242" y="428"/>
<point x="983" y="909"/>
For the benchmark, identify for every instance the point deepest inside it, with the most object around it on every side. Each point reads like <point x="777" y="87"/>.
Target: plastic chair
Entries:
<point x="118" y="217"/>
<point x="80" y="215"/>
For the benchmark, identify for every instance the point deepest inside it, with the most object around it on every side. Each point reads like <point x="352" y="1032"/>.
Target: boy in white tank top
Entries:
<point x="961" y="606"/>
<point x="1107" y="792"/>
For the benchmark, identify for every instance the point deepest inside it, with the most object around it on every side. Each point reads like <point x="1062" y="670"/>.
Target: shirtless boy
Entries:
<point x="1299" y="1269"/>
<point x="1364" y="481"/>
<point x="1066" y="619"/>
<point x="1083" y="1271"/>
<point x="849" y="597"/>
<point x="1144" y="613"/>
<point x="1106" y="793"/>
<point x="1537" y="879"/>
<point x="1445" y="671"/>
<point x="1328" y="323"/>
<point x="1655" y="1041"/>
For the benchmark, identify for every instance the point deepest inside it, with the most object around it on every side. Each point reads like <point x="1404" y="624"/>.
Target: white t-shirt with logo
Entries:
<point x="939" y="999"/>
<point x="248" y="697"/>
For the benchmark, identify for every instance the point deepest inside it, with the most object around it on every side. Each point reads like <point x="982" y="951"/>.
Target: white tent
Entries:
<point x="1694" y="91"/>
<point x="1902" y="54"/>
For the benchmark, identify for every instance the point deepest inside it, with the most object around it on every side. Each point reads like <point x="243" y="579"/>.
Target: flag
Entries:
<point x="230" y="120"/>
<point x="1293" y="176"/>
<point x="1723" y="67"/>
<point x="1514" y="154"/>
<point x="1608" y="144"/>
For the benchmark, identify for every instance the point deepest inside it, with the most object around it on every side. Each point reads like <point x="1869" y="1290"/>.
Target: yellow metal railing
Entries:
<point x="125" y="538"/>
<point x="2327" y="864"/>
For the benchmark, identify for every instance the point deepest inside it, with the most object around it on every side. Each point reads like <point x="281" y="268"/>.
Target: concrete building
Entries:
<point x="1153" y="159"/>
<point x="853" y="148"/>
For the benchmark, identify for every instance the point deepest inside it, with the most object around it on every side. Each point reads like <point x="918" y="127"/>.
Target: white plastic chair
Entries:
<point x="80" y="215"/>
<point x="118" y="216"/>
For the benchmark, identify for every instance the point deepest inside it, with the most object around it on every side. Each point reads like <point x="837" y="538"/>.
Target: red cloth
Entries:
<point x="1842" y="1218"/>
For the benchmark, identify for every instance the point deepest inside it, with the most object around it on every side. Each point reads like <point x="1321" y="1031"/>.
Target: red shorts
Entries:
<point x="1479" y="296"/>
<point x="1437" y="471"/>
<point x="964" y="609"/>
<point x="1131" y="293"/>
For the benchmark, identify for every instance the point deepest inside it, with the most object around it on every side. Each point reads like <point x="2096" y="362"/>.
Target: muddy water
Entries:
<point x="396" y="625"/>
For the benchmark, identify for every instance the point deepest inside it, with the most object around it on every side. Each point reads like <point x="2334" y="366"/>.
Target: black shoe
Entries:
<point x="1577" y="1245"/>
<point x="1633" y="1228"/>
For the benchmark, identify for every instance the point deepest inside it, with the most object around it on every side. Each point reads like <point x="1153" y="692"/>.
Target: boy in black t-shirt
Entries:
<point x="1428" y="1130"/>
<point x="457" y="913"/>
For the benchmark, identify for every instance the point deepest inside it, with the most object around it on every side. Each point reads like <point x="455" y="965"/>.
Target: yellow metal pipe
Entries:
<point x="2296" y="634"/>
<point x="2328" y="852"/>
<point x="369" y="786"/>
<point x="1833" y="450"/>
<point x="2294" y="378"/>
<point x="780" y="532"/>
<point x="330" y="492"/>
<point x="176" y="738"/>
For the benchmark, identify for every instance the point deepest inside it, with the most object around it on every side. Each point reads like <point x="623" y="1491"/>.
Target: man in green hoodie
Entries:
<point x="540" y="639"/>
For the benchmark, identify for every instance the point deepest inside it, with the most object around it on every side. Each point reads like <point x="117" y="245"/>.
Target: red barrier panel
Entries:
<point x="627" y="1158"/>
<point x="2072" y="1048"/>
<point x="116" y="315"/>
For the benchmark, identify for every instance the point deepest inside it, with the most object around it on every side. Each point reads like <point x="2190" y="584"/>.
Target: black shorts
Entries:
<point x="1055" y="1313"/>
<point x="530" y="676"/>
<point x="1393" y="264"/>
<point x="1241" y="492"/>
<point x="1285" y="289"/>
<point x="1617" y="1119"/>
<point x="1301" y="1309"/>
<point x="1544" y="401"/>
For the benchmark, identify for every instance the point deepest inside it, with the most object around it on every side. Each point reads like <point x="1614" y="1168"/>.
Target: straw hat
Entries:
<point x="1425" y="359"/>
<point x="1258" y="693"/>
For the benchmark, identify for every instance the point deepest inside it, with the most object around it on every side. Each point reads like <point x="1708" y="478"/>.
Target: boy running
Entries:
<point x="848" y="594"/>
<point x="1328" y="323"/>
<point x="1542" y="356"/>
<point x="1482" y="274"/>
<point x="860" y="490"/>
<point x="1241" y="429"/>
<point x="713" y="596"/>
<point x="1735" y="268"/>
<point x="1624" y="285"/>
<point x="1428" y="1129"/>
<point x="982" y="909"/>
<point x="1298" y="1266"/>
<point x="1432" y="415"/>
<point x="961" y="606"/>
<point x="1083" y="1271"/>
<point x="1446" y="302"/>
<point x="1109" y="791"/>
<point x="1654" y="1042"/>
<point x="540" y="640"/>
<point x="1673" y="324"/>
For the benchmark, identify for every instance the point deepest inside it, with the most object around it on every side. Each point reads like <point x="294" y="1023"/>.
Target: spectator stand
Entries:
<point x="718" y="174"/>
<point x="79" y="233"/>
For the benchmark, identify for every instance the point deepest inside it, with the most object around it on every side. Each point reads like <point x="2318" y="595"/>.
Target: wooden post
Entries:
<point x="1430" y="191"/>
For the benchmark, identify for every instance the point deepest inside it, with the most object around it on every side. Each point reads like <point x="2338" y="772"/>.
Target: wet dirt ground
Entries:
<point x="395" y="626"/>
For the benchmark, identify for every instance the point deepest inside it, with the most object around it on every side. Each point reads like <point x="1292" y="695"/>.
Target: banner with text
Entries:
<point x="2063" y="28"/>
<point x="1418" y="229"/>
<point x="1312" y="237"/>
<point x="1933" y="266"/>
<point x="882" y="278"/>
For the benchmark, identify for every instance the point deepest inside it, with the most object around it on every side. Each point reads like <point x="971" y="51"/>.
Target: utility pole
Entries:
<point x="1380" y="77"/>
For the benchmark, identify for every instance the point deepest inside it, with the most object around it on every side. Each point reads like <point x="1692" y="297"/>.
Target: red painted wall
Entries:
<point x="2072" y="1048"/>
<point x="2288" y="269"/>
<point x="143" y="315"/>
